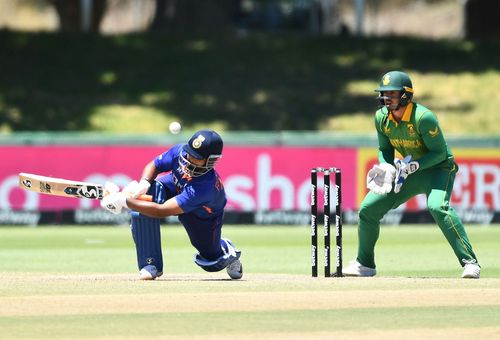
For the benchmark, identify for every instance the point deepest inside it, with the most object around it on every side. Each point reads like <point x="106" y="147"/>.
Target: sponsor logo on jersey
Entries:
<point x="434" y="132"/>
<point x="405" y="143"/>
<point x="387" y="130"/>
<point x="411" y="130"/>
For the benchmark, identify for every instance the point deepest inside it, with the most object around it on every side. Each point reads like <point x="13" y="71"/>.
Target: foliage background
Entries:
<point x="138" y="83"/>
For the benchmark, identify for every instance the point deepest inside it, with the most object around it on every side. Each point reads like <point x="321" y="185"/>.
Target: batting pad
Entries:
<point x="147" y="238"/>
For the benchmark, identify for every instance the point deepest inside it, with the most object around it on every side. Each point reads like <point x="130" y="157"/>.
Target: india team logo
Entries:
<point x="198" y="141"/>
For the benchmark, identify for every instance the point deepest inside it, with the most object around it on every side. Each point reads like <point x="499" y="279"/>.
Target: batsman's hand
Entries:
<point x="380" y="178"/>
<point x="114" y="202"/>
<point x="130" y="188"/>
<point x="141" y="188"/>
<point x="404" y="168"/>
<point x="110" y="187"/>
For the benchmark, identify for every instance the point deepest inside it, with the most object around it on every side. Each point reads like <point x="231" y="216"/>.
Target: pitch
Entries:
<point x="81" y="282"/>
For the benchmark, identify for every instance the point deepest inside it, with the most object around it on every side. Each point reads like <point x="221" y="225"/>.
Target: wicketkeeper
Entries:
<point x="428" y="167"/>
<point x="191" y="190"/>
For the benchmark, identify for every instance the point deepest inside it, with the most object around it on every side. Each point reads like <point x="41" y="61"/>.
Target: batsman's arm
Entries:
<point x="152" y="209"/>
<point x="150" y="172"/>
<point x="146" y="198"/>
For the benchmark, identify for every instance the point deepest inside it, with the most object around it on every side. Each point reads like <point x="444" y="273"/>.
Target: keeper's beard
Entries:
<point x="391" y="107"/>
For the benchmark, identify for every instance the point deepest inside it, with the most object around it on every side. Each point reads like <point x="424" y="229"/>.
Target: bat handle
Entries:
<point x="148" y="198"/>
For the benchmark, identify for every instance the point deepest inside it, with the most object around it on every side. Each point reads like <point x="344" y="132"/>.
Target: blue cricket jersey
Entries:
<point x="202" y="197"/>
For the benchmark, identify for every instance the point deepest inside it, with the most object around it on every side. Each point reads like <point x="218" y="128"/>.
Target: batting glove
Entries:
<point x="404" y="168"/>
<point x="141" y="188"/>
<point x="110" y="187"/>
<point x="380" y="177"/>
<point x="130" y="188"/>
<point x="114" y="202"/>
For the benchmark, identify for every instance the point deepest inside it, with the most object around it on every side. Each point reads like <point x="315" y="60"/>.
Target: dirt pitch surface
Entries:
<point x="32" y="295"/>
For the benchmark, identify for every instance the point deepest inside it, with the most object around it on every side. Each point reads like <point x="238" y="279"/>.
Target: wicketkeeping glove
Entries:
<point x="380" y="177"/>
<point x="404" y="168"/>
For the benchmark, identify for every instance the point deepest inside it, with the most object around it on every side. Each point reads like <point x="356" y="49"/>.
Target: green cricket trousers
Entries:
<point x="437" y="185"/>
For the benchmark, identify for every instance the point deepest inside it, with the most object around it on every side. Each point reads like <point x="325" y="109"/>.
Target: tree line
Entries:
<point x="194" y="16"/>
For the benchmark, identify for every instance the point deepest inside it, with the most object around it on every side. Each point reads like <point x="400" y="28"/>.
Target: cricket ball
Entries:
<point x="175" y="127"/>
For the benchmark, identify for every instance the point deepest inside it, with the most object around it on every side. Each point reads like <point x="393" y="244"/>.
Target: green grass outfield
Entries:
<point x="81" y="282"/>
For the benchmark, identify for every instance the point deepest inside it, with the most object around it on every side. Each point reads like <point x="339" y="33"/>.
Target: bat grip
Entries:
<point x="148" y="198"/>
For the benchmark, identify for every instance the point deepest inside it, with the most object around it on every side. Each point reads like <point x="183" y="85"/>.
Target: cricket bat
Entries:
<point x="66" y="188"/>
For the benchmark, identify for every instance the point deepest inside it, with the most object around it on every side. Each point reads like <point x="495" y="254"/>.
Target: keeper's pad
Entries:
<point x="146" y="232"/>
<point x="230" y="254"/>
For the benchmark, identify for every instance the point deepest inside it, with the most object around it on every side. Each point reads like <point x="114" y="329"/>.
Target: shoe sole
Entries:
<point x="148" y="277"/>
<point x="358" y="275"/>
<point x="240" y="273"/>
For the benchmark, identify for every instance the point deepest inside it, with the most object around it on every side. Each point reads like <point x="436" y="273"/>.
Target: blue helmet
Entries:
<point x="203" y="145"/>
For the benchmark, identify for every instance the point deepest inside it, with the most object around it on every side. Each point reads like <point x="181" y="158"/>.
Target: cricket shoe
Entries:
<point x="235" y="270"/>
<point x="471" y="271"/>
<point x="357" y="269"/>
<point x="149" y="272"/>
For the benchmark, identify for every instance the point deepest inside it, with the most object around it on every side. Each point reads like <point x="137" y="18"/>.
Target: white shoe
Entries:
<point x="235" y="270"/>
<point x="149" y="272"/>
<point x="471" y="271"/>
<point x="357" y="269"/>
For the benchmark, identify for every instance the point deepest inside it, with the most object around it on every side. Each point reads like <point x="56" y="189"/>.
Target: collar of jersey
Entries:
<point x="406" y="115"/>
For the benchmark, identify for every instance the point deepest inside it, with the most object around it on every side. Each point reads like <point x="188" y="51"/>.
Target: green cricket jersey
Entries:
<point x="417" y="134"/>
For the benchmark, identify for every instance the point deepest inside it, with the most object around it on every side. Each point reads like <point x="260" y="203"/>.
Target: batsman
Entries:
<point x="428" y="167"/>
<point x="191" y="189"/>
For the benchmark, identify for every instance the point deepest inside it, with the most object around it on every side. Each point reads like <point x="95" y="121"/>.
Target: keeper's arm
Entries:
<point x="385" y="148"/>
<point x="433" y="139"/>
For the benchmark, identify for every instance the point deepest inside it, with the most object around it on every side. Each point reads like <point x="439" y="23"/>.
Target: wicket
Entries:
<point x="326" y="216"/>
